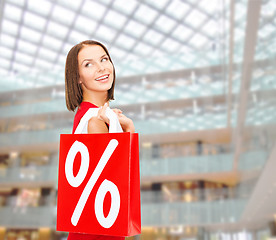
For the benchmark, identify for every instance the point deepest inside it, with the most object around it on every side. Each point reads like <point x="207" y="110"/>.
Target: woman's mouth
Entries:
<point x="103" y="78"/>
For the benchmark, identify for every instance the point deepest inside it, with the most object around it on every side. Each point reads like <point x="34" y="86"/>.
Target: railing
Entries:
<point x="182" y="165"/>
<point x="27" y="217"/>
<point x="253" y="160"/>
<point x="139" y="94"/>
<point x="51" y="106"/>
<point x="29" y="174"/>
<point x="149" y="167"/>
<point x="193" y="213"/>
<point x="31" y="138"/>
<point x="155" y="214"/>
<point x="194" y="195"/>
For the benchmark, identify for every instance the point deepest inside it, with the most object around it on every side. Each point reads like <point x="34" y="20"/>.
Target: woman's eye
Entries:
<point x="88" y="65"/>
<point x="104" y="59"/>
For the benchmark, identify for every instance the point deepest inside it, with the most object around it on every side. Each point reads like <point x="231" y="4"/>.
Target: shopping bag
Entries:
<point x="99" y="183"/>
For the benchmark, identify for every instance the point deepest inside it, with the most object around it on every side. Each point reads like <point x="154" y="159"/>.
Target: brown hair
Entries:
<point x="73" y="91"/>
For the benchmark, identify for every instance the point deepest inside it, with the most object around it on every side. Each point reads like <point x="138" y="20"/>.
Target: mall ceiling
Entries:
<point x="142" y="36"/>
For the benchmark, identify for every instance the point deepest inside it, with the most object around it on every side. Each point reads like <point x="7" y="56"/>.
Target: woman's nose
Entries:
<point x="100" y="67"/>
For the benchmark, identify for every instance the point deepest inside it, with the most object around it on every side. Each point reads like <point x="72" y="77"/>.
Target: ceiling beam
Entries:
<point x="253" y="16"/>
<point x="230" y="64"/>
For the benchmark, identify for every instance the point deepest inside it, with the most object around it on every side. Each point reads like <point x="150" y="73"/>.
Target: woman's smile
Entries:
<point x="103" y="78"/>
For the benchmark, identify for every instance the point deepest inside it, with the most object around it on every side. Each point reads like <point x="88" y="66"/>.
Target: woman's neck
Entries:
<point x="97" y="98"/>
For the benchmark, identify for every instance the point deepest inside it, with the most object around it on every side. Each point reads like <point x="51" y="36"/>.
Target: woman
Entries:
<point x="89" y="83"/>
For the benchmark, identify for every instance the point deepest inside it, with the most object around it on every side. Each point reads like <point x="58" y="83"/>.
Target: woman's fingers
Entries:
<point x="117" y="111"/>
<point x="101" y="113"/>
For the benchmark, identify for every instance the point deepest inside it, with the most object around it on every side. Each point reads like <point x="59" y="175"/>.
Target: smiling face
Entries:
<point x="95" y="70"/>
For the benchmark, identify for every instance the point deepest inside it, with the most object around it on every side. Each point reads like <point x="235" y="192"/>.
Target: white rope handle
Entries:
<point x="114" y="124"/>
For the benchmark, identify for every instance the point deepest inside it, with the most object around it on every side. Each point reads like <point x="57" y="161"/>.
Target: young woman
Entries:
<point x="89" y="83"/>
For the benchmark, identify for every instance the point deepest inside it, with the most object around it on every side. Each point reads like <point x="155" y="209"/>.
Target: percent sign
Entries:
<point x="106" y="186"/>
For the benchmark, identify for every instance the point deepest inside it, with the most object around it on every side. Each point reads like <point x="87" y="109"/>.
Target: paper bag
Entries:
<point x="99" y="184"/>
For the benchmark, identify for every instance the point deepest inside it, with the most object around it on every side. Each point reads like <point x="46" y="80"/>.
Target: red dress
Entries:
<point x="84" y="106"/>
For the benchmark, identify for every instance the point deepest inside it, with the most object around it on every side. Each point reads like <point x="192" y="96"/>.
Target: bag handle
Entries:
<point x="114" y="124"/>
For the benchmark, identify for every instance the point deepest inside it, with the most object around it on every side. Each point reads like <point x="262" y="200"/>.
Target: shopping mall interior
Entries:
<point x="197" y="78"/>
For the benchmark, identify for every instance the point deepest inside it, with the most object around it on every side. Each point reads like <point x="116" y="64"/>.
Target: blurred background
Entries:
<point x="197" y="77"/>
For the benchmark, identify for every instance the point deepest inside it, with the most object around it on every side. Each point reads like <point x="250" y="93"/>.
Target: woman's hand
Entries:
<point x="126" y="123"/>
<point x="101" y="113"/>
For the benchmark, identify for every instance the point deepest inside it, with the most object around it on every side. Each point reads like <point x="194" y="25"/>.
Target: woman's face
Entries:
<point x="95" y="69"/>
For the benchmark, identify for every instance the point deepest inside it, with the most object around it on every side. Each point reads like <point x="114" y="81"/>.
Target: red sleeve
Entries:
<point x="82" y="236"/>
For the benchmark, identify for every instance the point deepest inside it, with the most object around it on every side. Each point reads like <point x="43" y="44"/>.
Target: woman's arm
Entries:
<point x="96" y="125"/>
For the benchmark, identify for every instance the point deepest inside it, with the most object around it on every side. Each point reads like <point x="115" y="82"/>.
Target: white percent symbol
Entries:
<point x="106" y="186"/>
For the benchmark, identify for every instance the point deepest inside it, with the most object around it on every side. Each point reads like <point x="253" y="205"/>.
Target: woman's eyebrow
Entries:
<point x="88" y="59"/>
<point x="105" y="55"/>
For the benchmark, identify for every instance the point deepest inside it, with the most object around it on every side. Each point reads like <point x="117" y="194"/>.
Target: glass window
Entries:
<point x="182" y="33"/>
<point x="24" y="58"/>
<point x="125" y="6"/>
<point x="85" y="24"/>
<point x="7" y="40"/>
<point x="56" y="29"/>
<point x="41" y="7"/>
<point x="12" y="12"/>
<point x="164" y="24"/>
<point x="6" y="52"/>
<point x="195" y="18"/>
<point x="143" y="49"/>
<point x="59" y="12"/>
<point x="9" y="27"/>
<point x="76" y="37"/>
<point x="178" y="9"/>
<point x="198" y="40"/>
<point x="105" y="33"/>
<point x="153" y="37"/>
<point x="47" y="54"/>
<point x="52" y="43"/>
<point x="125" y="41"/>
<point x="93" y="10"/>
<point x="30" y="35"/>
<point x="134" y="28"/>
<point x="115" y="19"/>
<point x="35" y="21"/>
<point x="145" y="14"/>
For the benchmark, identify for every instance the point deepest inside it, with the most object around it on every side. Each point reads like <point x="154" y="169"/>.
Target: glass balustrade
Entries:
<point x="194" y="195"/>
<point x="148" y="167"/>
<point x="193" y="213"/>
<point x="141" y="95"/>
<point x="27" y="217"/>
<point x="50" y="132"/>
<point x="183" y="165"/>
<point x="259" y="114"/>
<point x="53" y="106"/>
<point x="253" y="160"/>
<point x="31" y="137"/>
<point x="153" y="214"/>
<point x="29" y="174"/>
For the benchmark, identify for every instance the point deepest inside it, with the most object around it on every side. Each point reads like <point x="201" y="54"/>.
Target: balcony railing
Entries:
<point x="27" y="217"/>
<point x="29" y="174"/>
<point x="154" y="214"/>
<point x="193" y="213"/>
<point x="149" y="167"/>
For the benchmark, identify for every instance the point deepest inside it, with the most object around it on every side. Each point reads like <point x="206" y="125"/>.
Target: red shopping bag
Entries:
<point x="99" y="184"/>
